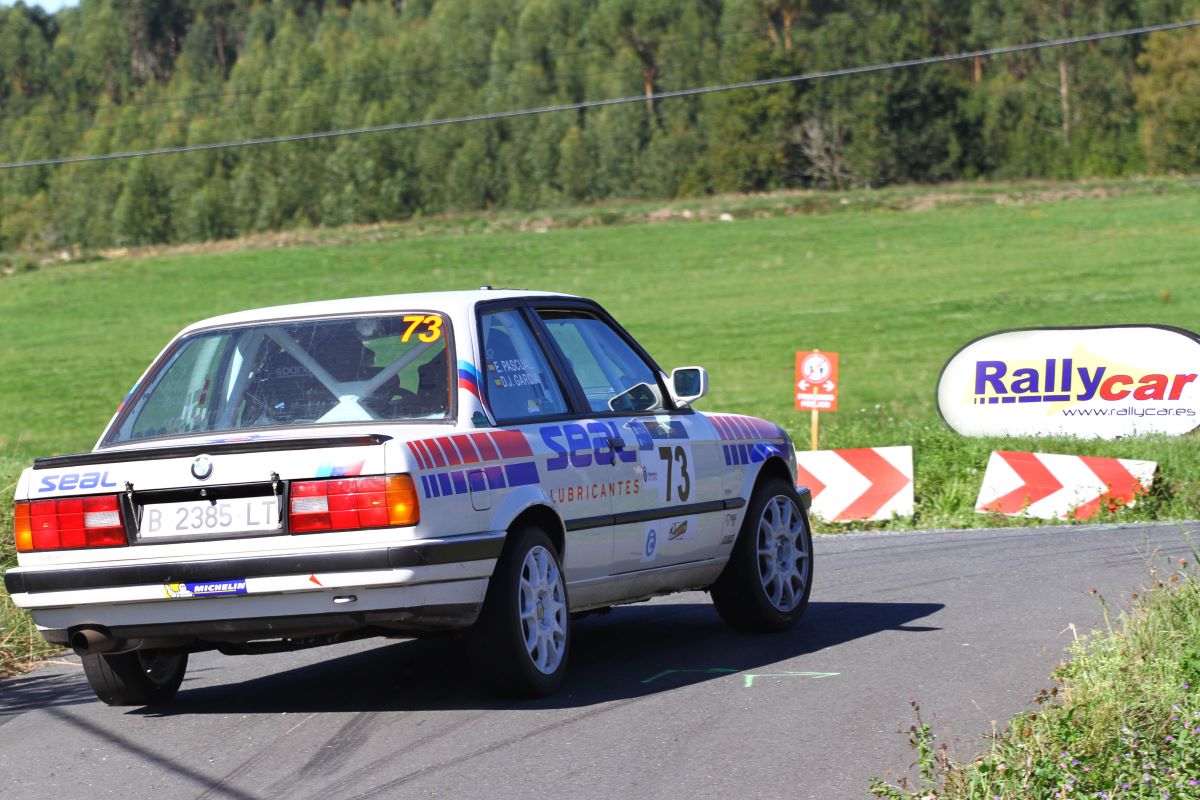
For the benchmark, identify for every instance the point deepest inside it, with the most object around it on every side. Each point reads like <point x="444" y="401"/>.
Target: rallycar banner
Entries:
<point x="1102" y="382"/>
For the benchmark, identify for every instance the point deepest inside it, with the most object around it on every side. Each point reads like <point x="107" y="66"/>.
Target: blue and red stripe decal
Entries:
<point x="468" y="377"/>
<point x="472" y="454"/>
<point x="746" y="440"/>
<point x="328" y="469"/>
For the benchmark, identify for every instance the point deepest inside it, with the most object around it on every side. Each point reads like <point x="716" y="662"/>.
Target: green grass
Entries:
<point x="895" y="281"/>
<point x="894" y="292"/>
<point x="1122" y="723"/>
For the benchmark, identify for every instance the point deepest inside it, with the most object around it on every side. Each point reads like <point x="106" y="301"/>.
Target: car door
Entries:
<point x="668" y="500"/>
<point x="528" y="399"/>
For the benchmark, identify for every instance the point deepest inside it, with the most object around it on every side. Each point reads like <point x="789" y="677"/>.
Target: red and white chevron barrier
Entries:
<point x="869" y="483"/>
<point x="1049" y="486"/>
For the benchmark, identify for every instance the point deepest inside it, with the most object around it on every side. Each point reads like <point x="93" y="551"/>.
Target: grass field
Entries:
<point x="894" y="292"/>
<point x="894" y="281"/>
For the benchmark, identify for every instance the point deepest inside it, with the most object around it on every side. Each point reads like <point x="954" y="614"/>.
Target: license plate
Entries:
<point x="241" y="515"/>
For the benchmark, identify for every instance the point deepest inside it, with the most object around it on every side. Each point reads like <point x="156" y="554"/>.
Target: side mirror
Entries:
<point x="639" y="397"/>
<point x="688" y="384"/>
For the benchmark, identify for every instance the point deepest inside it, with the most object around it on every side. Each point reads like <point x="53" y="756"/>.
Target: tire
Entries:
<point x="137" y="678"/>
<point x="522" y="638"/>
<point x="766" y="584"/>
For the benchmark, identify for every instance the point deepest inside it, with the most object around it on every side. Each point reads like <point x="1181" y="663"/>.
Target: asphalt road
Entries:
<point x="662" y="701"/>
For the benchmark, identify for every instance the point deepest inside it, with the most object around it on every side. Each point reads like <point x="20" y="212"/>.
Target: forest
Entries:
<point x="126" y="75"/>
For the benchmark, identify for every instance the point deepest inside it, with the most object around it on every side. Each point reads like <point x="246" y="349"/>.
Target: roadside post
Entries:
<point x="816" y="385"/>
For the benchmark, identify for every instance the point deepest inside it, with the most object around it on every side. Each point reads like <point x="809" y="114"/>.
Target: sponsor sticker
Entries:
<point x="650" y="548"/>
<point x="577" y="446"/>
<point x="729" y="526"/>
<point x="597" y="490"/>
<point x="226" y="588"/>
<point x="680" y="529"/>
<point x="71" y="481"/>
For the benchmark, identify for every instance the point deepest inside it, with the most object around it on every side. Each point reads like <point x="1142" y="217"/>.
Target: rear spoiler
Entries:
<point x="221" y="448"/>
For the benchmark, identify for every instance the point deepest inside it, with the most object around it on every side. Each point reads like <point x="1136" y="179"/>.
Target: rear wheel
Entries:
<point x="138" y="678"/>
<point x="765" y="585"/>
<point x="521" y="639"/>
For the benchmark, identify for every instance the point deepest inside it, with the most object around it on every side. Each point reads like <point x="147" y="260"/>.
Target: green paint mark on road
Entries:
<point x="750" y="676"/>
<point x="710" y="671"/>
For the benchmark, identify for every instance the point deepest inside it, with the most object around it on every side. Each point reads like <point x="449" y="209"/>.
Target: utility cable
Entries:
<point x="612" y="101"/>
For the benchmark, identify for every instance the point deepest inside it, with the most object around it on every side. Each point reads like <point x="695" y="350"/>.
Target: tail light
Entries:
<point x="69" y="522"/>
<point x="344" y="504"/>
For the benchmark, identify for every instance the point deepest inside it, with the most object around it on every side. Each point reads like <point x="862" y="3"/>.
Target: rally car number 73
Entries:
<point x="495" y="462"/>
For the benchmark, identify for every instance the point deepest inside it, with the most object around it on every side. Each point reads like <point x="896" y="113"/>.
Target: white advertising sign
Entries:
<point x="1102" y="382"/>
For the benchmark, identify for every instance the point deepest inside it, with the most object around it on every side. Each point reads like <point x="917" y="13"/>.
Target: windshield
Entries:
<point x="330" y="371"/>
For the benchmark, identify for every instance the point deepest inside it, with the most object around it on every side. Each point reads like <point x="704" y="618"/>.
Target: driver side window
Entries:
<point x="613" y="376"/>
<point x="519" y="382"/>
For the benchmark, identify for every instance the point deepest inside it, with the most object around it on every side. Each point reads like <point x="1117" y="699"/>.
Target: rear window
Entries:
<point x="316" y="372"/>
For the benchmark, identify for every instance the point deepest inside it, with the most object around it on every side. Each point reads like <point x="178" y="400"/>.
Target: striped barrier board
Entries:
<point x="1050" y="486"/>
<point x="857" y="485"/>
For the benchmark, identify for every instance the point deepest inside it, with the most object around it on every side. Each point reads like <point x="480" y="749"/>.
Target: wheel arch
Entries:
<point x="546" y="519"/>
<point x="777" y="467"/>
<point x="530" y="505"/>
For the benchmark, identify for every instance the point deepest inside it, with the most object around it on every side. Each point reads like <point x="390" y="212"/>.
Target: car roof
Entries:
<point x="453" y="303"/>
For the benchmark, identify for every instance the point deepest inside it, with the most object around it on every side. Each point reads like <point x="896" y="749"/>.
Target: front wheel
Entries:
<point x="766" y="584"/>
<point x="138" y="678"/>
<point x="521" y="639"/>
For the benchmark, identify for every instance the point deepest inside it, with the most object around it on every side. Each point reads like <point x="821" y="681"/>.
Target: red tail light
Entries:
<point x="69" y="522"/>
<point x="343" y="504"/>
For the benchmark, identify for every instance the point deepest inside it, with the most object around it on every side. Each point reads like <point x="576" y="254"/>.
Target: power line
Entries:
<point x="612" y="101"/>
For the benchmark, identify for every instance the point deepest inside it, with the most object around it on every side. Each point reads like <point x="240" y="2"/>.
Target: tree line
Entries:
<point x="121" y="75"/>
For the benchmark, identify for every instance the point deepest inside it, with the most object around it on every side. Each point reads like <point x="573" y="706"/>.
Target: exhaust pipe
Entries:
<point x="93" y="641"/>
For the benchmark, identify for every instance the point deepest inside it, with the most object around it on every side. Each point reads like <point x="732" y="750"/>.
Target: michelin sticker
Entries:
<point x="177" y="591"/>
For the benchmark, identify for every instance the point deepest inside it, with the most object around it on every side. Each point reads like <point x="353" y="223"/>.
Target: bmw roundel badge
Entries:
<point x="202" y="468"/>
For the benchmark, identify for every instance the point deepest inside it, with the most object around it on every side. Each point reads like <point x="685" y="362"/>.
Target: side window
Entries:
<point x="613" y="376"/>
<point x="186" y="393"/>
<point x="519" y="382"/>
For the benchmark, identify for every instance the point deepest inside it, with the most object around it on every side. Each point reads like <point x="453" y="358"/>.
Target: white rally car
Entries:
<point x="489" y="461"/>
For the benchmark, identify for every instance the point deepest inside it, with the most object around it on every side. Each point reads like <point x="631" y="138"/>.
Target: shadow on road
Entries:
<point x="634" y="651"/>
<point x="47" y="687"/>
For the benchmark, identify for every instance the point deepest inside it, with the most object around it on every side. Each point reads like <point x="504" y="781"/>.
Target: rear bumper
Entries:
<point x="402" y="611"/>
<point x="20" y="580"/>
<point x="424" y="585"/>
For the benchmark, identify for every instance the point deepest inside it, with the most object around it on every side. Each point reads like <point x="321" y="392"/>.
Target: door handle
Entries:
<point x="616" y="444"/>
